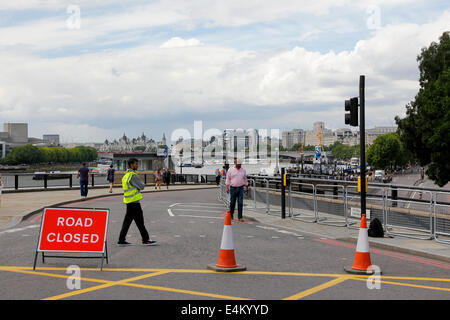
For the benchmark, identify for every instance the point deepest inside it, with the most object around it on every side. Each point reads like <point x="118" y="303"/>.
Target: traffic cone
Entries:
<point x="362" y="263"/>
<point x="227" y="260"/>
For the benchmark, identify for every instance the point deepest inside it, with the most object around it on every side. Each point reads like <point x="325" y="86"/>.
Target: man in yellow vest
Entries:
<point x="132" y="187"/>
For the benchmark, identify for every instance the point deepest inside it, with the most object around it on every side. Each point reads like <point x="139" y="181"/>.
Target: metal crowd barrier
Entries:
<point x="441" y="217"/>
<point x="375" y="205"/>
<point x="331" y="205"/>
<point x="403" y="210"/>
<point x="409" y="215"/>
<point x="302" y="204"/>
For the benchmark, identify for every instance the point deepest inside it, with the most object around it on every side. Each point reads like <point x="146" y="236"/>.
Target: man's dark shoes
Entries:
<point x="149" y="243"/>
<point x="123" y="243"/>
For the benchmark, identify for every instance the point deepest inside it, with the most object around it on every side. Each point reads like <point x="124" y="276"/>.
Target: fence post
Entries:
<point x="70" y="181"/>
<point x="16" y="181"/>
<point x="394" y="196"/>
<point x="45" y="181"/>
<point x="283" y="195"/>
<point x="93" y="175"/>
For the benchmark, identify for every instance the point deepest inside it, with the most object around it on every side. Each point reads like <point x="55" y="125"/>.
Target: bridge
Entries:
<point x="297" y="155"/>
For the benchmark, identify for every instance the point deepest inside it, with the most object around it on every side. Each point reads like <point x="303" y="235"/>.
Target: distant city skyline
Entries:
<point x="92" y="70"/>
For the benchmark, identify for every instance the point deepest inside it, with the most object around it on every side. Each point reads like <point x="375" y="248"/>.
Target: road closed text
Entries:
<point x="73" y="230"/>
<point x="75" y="238"/>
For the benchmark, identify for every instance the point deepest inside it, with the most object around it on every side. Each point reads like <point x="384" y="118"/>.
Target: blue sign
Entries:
<point x="318" y="151"/>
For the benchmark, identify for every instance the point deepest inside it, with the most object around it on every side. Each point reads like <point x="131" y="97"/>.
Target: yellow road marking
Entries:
<point x="197" y="293"/>
<point x="108" y="283"/>
<point x="53" y="275"/>
<point x="403" y="278"/>
<point x="318" y="288"/>
<point x="201" y="271"/>
<point x="102" y="286"/>
<point x="339" y="278"/>
<point x="406" y="284"/>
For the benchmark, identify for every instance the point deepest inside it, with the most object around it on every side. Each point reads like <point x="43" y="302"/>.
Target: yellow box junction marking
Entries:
<point x="152" y="272"/>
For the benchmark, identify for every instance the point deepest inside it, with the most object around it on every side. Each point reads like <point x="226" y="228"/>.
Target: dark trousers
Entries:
<point x="84" y="188"/>
<point x="237" y="193"/>
<point x="134" y="212"/>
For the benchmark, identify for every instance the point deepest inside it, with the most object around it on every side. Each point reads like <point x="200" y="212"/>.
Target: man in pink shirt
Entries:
<point x="235" y="182"/>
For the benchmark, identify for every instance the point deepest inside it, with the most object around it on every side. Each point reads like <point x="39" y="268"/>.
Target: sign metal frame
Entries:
<point x="104" y="252"/>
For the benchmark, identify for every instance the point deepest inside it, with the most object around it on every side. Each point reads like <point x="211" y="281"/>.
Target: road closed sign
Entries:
<point x="73" y="230"/>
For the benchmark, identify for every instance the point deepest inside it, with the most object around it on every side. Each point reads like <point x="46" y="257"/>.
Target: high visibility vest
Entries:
<point x="130" y="193"/>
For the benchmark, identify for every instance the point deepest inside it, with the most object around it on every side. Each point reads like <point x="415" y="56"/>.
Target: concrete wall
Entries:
<point x="18" y="132"/>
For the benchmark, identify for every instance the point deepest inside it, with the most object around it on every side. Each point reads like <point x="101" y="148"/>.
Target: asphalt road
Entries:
<point x="188" y="226"/>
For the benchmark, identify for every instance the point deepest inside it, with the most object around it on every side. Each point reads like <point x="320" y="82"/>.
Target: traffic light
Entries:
<point x="352" y="117"/>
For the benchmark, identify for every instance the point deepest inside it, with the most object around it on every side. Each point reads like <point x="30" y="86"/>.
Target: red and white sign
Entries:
<point x="73" y="230"/>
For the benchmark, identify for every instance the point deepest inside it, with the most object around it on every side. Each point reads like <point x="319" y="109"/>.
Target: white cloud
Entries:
<point x="138" y="15"/>
<point x="177" y="42"/>
<point x="146" y="82"/>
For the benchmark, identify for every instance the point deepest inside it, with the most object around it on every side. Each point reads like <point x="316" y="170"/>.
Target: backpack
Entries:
<point x="376" y="229"/>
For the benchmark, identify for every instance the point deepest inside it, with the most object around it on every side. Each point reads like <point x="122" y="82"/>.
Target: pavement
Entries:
<point x="16" y="207"/>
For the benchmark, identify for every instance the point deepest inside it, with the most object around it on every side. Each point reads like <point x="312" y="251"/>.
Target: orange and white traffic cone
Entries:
<point x="362" y="263"/>
<point x="227" y="260"/>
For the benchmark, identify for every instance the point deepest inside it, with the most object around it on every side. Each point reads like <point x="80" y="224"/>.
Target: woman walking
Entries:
<point x="110" y="177"/>
<point x="158" y="178"/>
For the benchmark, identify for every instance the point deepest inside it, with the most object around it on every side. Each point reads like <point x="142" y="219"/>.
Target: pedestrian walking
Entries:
<point x="110" y="177"/>
<point x="166" y="177"/>
<point x="132" y="187"/>
<point x="218" y="175"/>
<point x="235" y="181"/>
<point x="83" y="174"/>
<point x="158" y="178"/>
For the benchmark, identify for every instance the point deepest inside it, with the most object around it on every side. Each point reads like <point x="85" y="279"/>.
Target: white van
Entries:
<point x="379" y="175"/>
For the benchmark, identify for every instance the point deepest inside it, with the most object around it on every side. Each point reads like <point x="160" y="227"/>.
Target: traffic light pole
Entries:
<point x="362" y="143"/>
<point x="283" y="194"/>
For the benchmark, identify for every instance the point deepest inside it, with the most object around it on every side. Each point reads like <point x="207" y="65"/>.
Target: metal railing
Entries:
<point x="43" y="181"/>
<point x="331" y="205"/>
<point x="409" y="215"/>
<point x="441" y="213"/>
<point x="304" y="197"/>
<point x="407" y="211"/>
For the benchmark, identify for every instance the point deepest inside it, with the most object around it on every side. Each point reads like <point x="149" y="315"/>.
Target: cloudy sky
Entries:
<point x="91" y="70"/>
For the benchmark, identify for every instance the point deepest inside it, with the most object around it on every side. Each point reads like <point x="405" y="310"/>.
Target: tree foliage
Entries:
<point x="387" y="152"/>
<point x="425" y="130"/>
<point x="30" y="154"/>
<point x="344" y="152"/>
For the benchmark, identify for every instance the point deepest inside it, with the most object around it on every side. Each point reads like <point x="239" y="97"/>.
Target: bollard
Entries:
<point x="93" y="179"/>
<point x="394" y="195"/>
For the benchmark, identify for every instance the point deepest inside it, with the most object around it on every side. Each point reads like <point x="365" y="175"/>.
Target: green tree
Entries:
<point x="387" y="152"/>
<point x="425" y="130"/>
<point x="27" y="154"/>
<point x="344" y="152"/>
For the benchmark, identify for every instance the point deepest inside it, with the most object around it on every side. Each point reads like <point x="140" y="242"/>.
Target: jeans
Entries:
<point x="84" y="188"/>
<point x="134" y="212"/>
<point x="237" y="193"/>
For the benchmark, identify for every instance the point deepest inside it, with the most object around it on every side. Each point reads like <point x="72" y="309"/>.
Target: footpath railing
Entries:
<point x="408" y="211"/>
<point x="35" y="182"/>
